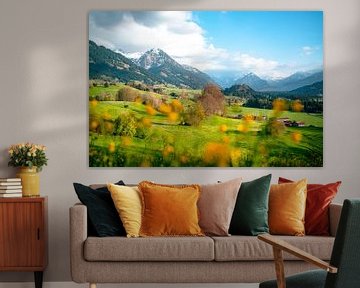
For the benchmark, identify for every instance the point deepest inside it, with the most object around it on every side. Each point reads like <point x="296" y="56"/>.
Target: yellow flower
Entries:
<point x="126" y="140"/>
<point x="165" y="108"/>
<point x="106" y="116"/>
<point x="173" y="116"/>
<point x="235" y="156"/>
<point x="94" y="124"/>
<point x="111" y="147"/>
<point x="168" y="150"/>
<point x="184" y="159"/>
<point x="146" y="122"/>
<point x="226" y="139"/>
<point x="109" y="127"/>
<point x="279" y="105"/>
<point x="242" y="127"/>
<point x="296" y="137"/>
<point x="217" y="154"/>
<point x="223" y="128"/>
<point x="93" y="103"/>
<point x="297" y="106"/>
<point x="176" y="105"/>
<point x="150" y="110"/>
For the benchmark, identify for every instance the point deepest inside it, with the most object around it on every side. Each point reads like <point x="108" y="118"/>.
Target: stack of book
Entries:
<point x="10" y="187"/>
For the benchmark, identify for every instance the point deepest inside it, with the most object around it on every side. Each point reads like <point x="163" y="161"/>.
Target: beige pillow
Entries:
<point x="216" y="206"/>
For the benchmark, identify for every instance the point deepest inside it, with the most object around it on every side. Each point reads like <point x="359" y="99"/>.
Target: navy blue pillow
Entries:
<point x="103" y="218"/>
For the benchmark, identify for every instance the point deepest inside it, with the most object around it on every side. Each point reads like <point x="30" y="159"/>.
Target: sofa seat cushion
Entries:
<point x="149" y="249"/>
<point x="244" y="248"/>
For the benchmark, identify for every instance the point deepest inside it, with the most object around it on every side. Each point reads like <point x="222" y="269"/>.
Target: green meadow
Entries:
<point x="134" y="134"/>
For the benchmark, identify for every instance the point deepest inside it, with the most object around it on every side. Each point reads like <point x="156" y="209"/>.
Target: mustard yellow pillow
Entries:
<point x="169" y="210"/>
<point x="287" y="204"/>
<point x="127" y="201"/>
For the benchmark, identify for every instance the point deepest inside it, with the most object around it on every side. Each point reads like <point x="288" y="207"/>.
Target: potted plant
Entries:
<point x="30" y="158"/>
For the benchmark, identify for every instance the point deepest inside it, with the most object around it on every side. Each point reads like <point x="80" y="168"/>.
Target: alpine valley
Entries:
<point x="155" y="67"/>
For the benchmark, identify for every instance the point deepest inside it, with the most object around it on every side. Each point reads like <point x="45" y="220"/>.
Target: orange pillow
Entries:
<point x="287" y="204"/>
<point x="169" y="210"/>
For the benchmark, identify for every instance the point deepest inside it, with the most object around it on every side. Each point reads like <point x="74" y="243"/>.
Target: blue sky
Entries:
<point x="272" y="44"/>
<point x="269" y="34"/>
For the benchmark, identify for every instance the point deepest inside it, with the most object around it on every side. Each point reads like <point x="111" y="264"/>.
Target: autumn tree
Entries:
<point x="127" y="94"/>
<point x="212" y="100"/>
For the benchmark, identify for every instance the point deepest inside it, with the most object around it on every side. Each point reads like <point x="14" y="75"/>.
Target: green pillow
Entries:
<point x="250" y="216"/>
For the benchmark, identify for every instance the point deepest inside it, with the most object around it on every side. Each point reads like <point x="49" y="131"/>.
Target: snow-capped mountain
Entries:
<point x="153" y="67"/>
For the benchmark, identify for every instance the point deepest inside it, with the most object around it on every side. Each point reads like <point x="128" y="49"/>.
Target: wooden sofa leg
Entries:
<point x="92" y="285"/>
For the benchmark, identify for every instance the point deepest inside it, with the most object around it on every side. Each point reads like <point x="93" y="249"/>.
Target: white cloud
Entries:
<point x="307" y="50"/>
<point x="179" y="35"/>
<point x="174" y="32"/>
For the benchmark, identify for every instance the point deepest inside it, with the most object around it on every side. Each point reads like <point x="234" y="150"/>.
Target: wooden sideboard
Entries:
<point x="23" y="235"/>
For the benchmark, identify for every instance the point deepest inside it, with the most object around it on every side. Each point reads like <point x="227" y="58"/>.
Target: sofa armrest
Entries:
<point x="78" y="235"/>
<point x="334" y="217"/>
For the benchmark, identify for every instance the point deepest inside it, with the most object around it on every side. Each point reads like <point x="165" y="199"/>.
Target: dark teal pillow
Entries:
<point x="250" y="216"/>
<point x="103" y="219"/>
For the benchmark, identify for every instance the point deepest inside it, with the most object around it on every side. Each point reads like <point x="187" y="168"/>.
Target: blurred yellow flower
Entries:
<point x="297" y="106"/>
<point x="235" y="155"/>
<point x="111" y="147"/>
<point x="223" y="128"/>
<point x="226" y="139"/>
<point x="217" y="154"/>
<point x="109" y="127"/>
<point x="93" y="103"/>
<point x="165" y="108"/>
<point x="150" y="110"/>
<point x="242" y="127"/>
<point x="94" y="124"/>
<point x="168" y="150"/>
<point x="184" y="159"/>
<point x="279" y="105"/>
<point x="145" y="163"/>
<point x="296" y="137"/>
<point x="172" y="116"/>
<point x="146" y="122"/>
<point x="126" y="140"/>
<point x="176" y="105"/>
<point x="106" y="116"/>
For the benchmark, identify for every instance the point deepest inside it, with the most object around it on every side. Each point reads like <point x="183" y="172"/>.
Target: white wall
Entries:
<point x="43" y="80"/>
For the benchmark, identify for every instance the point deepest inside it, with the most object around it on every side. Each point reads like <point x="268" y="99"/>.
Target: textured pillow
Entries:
<point x="127" y="201"/>
<point x="216" y="206"/>
<point x="169" y="210"/>
<point x="102" y="215"/>
<point x="319" y="197"/>
<point x="287" y="204"/>
<point x="250" y="215"/>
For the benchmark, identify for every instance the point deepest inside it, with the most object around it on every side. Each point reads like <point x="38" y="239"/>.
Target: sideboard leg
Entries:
<point x="38" y="279"/>
<point x="92" y="285"/>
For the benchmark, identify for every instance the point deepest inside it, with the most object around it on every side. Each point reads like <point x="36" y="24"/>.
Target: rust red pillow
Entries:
<point x="319" y="197"/>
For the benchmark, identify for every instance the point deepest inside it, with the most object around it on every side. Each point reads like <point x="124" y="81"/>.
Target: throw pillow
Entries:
<point x="287" y="204"/>
<point x="216" y="206"/>
<point x="102" y="215"/>
<point x="169" y="210"/>
<point x="319" y="197"/>
<point x="127" y="201"/>
<point x="250" y="215"/>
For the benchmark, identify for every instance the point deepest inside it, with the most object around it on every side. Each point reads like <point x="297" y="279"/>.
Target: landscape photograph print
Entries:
<point x="205" y="88"/>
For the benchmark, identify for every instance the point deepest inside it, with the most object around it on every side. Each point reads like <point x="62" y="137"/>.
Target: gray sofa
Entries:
<point x="234" y="259"/>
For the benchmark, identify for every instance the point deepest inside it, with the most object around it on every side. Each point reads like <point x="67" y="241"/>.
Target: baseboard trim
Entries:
<point x="74" y="285"/>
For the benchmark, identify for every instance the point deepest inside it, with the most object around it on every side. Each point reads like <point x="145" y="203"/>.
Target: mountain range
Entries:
<point x="156" y="67"/>
<point x="153" y="67"/>
<point x="294" y="81"/>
